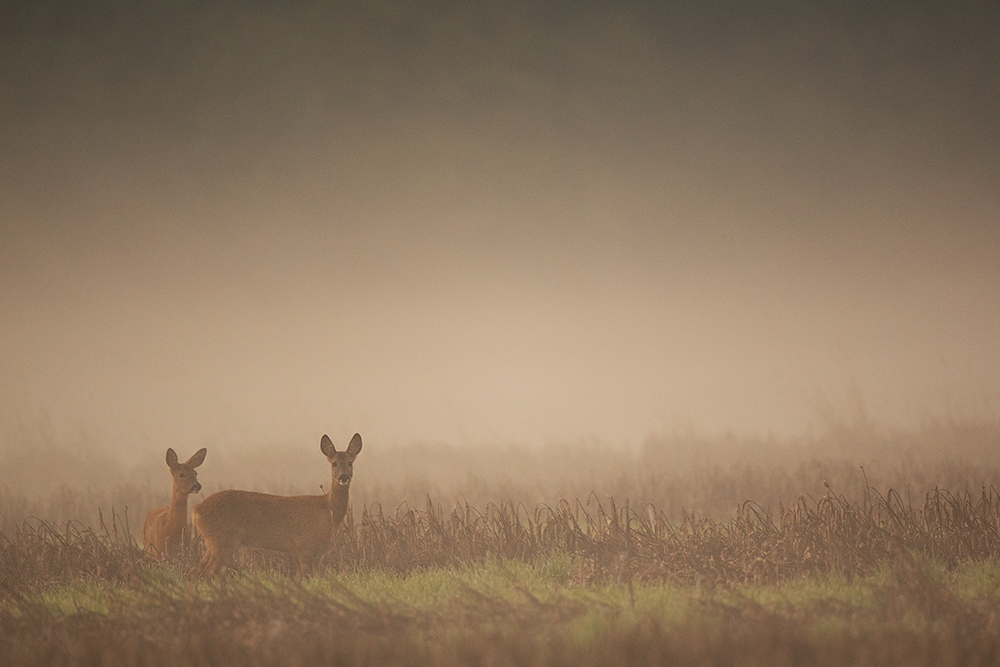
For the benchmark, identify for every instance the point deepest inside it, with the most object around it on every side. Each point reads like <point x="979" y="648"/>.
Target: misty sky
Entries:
<point x="504" y="222"/>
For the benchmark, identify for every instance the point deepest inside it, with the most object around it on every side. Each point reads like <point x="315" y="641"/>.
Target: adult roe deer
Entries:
<point x="164" y="532"/>
<point x="302" y="525"/>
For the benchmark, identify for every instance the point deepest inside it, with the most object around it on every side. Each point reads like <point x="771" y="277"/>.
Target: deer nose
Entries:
<point x="344" y="479"/>
<point x="196" y="488"/>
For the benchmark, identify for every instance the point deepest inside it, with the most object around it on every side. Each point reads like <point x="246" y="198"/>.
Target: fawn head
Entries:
<point x="185" y="477"/>
<point x="342" y="462"/>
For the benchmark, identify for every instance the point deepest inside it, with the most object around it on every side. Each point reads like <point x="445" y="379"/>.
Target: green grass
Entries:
<point x="510" y="608"/>
<point x="823" y="582"/>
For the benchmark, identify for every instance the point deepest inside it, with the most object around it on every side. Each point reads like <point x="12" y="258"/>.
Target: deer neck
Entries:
<point x="337" y="499"/>
<point x="178" y="508"/>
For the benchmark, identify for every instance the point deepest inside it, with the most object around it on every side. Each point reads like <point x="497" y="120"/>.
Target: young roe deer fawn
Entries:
<point x="164" y="532"/>
<point x="302" y="525"/>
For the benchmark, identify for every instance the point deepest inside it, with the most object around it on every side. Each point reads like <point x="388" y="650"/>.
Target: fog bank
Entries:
<point x="429" y="222"/>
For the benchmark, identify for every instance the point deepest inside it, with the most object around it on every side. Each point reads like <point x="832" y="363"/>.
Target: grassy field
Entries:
<point x="828" y="583"/>
<point x="913" y="611"/>
<point x="884" y="549"/>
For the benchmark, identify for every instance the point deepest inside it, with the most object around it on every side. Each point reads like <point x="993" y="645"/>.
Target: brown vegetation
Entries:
<point x="606" y="543"/>
<point x="678" y="474"/>
<point x="837" y="514"/>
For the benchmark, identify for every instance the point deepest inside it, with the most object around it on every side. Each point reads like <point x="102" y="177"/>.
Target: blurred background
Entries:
<point x="492" y="225"/>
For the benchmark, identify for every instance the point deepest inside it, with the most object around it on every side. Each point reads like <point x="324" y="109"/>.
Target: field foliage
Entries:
<point x="860" y="547"/>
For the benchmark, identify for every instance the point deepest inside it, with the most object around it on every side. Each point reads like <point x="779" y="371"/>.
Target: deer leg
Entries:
<point x="198" y="570"/>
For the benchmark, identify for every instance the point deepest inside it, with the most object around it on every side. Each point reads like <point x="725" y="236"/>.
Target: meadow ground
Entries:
<point x="502" y="612"/>
<point x="882" y="549"/>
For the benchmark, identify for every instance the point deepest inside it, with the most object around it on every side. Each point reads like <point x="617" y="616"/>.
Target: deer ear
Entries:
<point x="326" y="446"/>
<point x="171" y="458"/>
<point x="354" y="448"/>
<point x="198" y="458"/>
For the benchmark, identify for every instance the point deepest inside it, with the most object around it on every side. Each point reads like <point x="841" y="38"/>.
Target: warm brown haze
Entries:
<point x="671" y="328"/>
<point x="301" y="525"/>
<point x="165" y="530"/>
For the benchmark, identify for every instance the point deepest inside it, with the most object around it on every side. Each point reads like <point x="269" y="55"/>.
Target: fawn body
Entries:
<point x="302" y="525"/>
<point x="164" y="532"/>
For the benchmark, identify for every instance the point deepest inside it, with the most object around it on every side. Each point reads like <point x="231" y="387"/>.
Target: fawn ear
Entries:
<point x="354" y="448"/>
<point x="326" y="446"/>
<point x="171" y="458"/>
<point x="198" y="458"/>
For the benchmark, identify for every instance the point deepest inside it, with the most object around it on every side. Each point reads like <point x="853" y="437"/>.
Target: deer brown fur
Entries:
<point x="301" y="525"/>
<point x="164" y="532"/>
